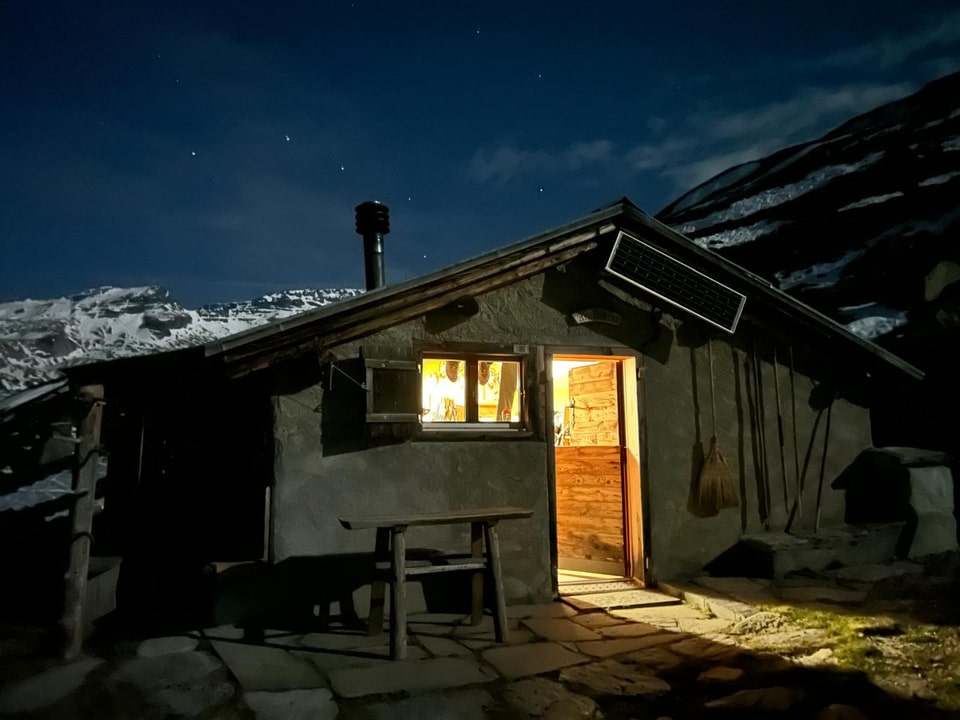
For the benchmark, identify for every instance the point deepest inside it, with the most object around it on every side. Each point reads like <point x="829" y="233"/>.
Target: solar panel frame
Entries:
<point x="677" y="283"/>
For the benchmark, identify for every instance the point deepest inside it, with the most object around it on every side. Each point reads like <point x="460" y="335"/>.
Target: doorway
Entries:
<point x="597" y="470"/>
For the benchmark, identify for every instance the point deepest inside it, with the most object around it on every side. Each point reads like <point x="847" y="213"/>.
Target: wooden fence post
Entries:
<point x="81" y="518"/>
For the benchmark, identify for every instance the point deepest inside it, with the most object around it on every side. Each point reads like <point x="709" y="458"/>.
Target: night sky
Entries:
<point x="218" y="149"/>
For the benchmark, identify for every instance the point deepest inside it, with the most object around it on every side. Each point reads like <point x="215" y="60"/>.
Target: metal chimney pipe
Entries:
<point x="373" y="222"/>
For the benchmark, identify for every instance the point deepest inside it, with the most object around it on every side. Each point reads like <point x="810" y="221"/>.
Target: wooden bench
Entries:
<point x="483" y="559"/>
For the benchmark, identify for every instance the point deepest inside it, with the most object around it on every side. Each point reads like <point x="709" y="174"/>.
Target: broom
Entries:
<point x="716" y="490"/>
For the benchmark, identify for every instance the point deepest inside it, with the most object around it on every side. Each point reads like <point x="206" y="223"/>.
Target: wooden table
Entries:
<point x="391" y="546"/>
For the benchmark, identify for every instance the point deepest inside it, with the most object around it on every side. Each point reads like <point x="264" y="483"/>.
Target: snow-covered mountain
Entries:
<point x="862" y="223"/>
<point x="39" y="336"/>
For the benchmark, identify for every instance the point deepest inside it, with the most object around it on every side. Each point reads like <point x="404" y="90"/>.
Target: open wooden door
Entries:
<point x="595" y="488"/>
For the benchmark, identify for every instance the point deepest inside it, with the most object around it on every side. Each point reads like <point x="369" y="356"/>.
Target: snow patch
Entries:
<point x="820" y="275"/>
<point x="873" y="200"/>
<point x="939" y="179"/>
<point x="38" y="337"/>
<point x="951" y="145"/>
<point x="738" y="236"/>
<point x="872" y="320"/>
<point x="723" y="180"/>
<point x="780" y="195"/>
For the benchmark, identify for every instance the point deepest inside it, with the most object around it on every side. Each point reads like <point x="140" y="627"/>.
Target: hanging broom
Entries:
<point x="717" y="490"/>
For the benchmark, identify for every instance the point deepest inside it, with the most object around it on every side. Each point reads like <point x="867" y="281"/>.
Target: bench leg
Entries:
<point x="378" y="589"/>
<point x="398" y="597"/>
<point x="476" y="550"/>
<point x="493" y="563"/>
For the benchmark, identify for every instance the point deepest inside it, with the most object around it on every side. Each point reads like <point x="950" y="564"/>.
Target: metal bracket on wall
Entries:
<point x="333" y="366"/>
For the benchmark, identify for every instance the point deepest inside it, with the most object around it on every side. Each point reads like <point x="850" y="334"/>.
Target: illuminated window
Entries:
<point x="470" y="390"/>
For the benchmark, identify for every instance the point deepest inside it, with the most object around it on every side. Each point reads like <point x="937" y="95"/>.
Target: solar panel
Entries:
<point x="656" y="272"/>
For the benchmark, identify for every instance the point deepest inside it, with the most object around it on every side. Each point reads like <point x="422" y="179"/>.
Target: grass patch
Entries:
<point x="894" y="653"/>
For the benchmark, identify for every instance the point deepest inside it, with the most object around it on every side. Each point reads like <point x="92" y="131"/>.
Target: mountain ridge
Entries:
<point x="37" y="337"/>
<point x="861" y="223"/>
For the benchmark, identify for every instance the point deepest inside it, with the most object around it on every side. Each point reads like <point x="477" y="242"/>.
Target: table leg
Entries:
<point x="493" y="563"/>
<point x="378" y="589"/>
<point x="398" y="597"/>
<point x="476" y="550"/>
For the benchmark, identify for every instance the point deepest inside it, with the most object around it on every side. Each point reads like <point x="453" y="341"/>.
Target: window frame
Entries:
<point x="472" y="423"/>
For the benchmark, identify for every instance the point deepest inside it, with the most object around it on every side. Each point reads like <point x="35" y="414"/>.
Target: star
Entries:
<point x="342" y="168"/>
<point x="193" y="153"/>
<point x="541" y="189"/>
<point x="287" y="137"/>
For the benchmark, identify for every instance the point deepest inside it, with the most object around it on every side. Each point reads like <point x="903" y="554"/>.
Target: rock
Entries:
<point x="315" y="704"/>
<point x="944" y="274"/>
<point x="921" y="689"/>
<point x="822" y="656"/>
<point x="610" y="677"/>
<point x="708" y="626"/>
<point x="866" y="573"/>
<point x="703" y="649"/>
<point x="840" y="712"/>
<point x="576" y="707"/>
<point x="190" y="701"/>
<point x="47" y="688"/>
<point x="470" y="704"/>
<point x="778" y="699"/>
<point x="720" y="675"/>
<point x="829" y="594"/>
<point x="931" y="496"/>
<point x="654" y="660"/>
<point x="757" y="623"/>
<point x="539" y="697"/>
<point x="167" y="645"/>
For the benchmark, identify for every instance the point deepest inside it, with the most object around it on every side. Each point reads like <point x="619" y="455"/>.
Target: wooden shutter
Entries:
<point x="393" y="391"/>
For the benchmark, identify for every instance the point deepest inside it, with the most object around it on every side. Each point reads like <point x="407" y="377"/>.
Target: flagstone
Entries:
<point x="415" y="676"/>
<point x="518" y="661"/>
<point x="267" y="668"/>
<point x="560" y="629"/>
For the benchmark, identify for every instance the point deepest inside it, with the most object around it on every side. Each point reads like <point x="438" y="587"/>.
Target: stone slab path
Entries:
<point x="653" y="661"/>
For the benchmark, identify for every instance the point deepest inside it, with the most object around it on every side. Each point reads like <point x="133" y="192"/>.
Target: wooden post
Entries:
<point x="378" y="589"/>
<point x="81" y="518"/>
<point x="398" y="598"/>
<point x="496" y="574"/>
<point x="476" y="550"/>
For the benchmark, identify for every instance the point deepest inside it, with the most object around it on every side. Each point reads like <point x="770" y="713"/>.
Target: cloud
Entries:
<point x="808" y="110"/>
<point x="891" y="50"/>
<point x="506" y="162"/>
<point x="707" y="143"/>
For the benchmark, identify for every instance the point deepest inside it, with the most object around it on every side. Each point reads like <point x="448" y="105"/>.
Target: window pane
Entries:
<point x="498" y="391"/>
<point x="444" y="394"/>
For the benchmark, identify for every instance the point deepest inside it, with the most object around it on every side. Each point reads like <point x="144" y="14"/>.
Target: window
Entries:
<point x="471" y="390"/>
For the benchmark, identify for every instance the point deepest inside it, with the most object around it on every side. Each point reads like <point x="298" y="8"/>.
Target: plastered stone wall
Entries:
<point x="680" y="425"/>
<point x="314" y="487"/>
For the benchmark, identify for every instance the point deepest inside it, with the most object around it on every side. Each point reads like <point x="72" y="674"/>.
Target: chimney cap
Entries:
<point x="372" y="217"/>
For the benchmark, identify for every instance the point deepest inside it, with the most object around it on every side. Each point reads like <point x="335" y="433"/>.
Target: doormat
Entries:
<point x="619" y="600"/>
<point x="587" y="587"/>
